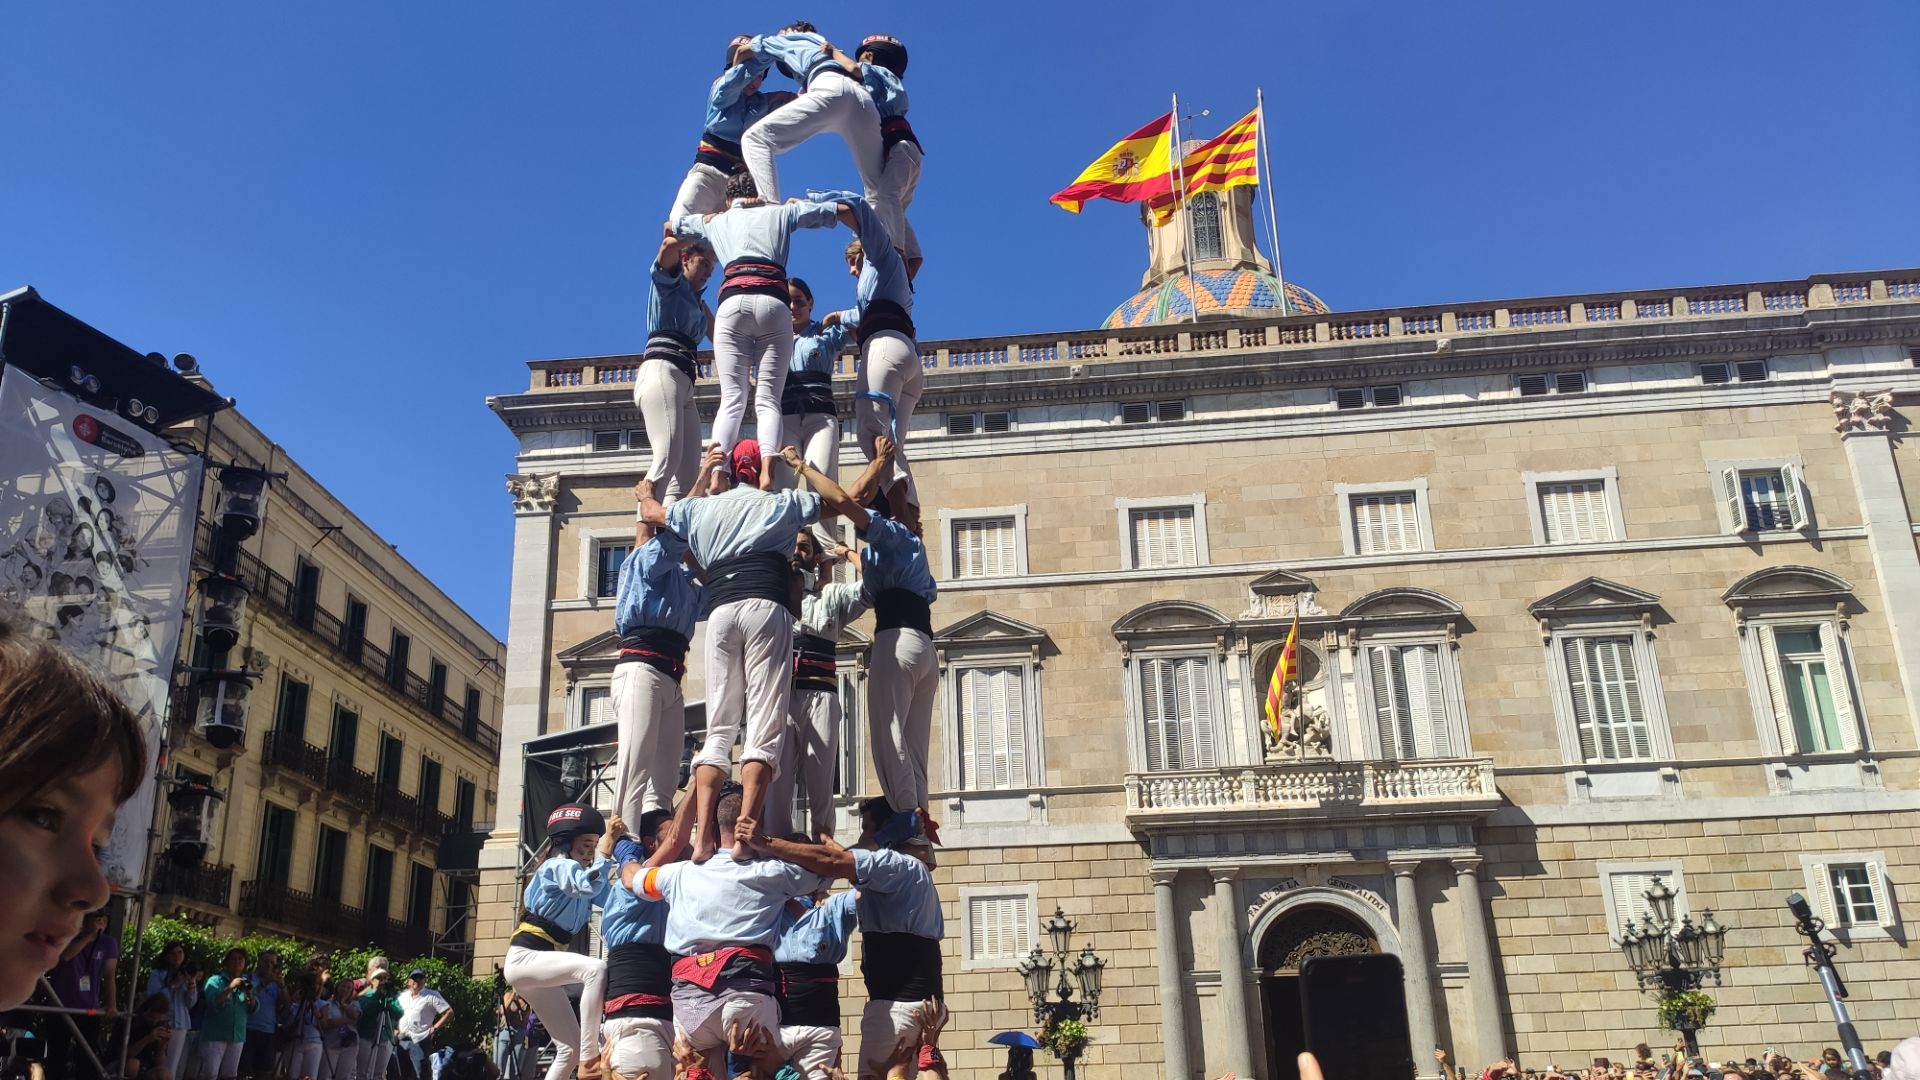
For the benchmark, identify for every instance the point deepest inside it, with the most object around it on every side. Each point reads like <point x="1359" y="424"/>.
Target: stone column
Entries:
<point x="1173" y="993"/>
<point x="1238" y="1036"/>
<point x="523" y="705"/>
<point x="1483" y="977"/>
<point x="1415" y="958"/>
<point x="1883" y="510"/>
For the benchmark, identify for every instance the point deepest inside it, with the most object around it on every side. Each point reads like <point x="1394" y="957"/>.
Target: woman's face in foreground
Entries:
<point x="51" y="845"/>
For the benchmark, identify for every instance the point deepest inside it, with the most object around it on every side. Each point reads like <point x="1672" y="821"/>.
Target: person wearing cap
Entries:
<point x="900" y="923"/>
<point x="815" y="932"/>
<point x="753" y="330"/>
<point x="734" y="104"/>
<point x="723" y="920"/>
<point x="883" y="64"/>
<point x="423" y="1012"/>
<point x="743" y="536"/>
<point x="637" y="1031"/>
<point x="810" y="416"/>
<point x="677" y="318"/>
<point x="561" y="895"/>
<point x="831" y="98"/>
<point x="889" y="377"/>
<point x="657" y="603"/>
<point x="379" y="1011"/>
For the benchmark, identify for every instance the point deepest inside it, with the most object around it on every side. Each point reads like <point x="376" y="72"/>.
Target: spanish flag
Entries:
<point x="1229" y="159"/>
<point x="1285" y="670"/>
<point x="1138" y="168"/>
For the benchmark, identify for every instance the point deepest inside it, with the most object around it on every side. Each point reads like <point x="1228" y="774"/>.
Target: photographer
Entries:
<point x="147" y="1044"/>
<point x="263" y="1024"/>
<point x="423" y="1012"/>
<point x="182" y="989"/>
<point x="379" y="1010"/>
<point x="223" y="1031"/>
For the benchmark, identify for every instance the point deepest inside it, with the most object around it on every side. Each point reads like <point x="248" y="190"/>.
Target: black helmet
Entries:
<point x="574" y="819"/>
<point x="738" y="41"/>
<point x="887" y="52"/>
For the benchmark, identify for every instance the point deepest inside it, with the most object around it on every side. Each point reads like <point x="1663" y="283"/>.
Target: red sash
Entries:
<point x="705" y="969"/>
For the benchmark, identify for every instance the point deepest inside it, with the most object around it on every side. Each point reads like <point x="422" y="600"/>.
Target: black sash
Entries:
<point x="755" y="277"/>
<point x="899" y="609"/>
<point x="657" y="647"/>
<point x="764" y="576"/>
<point x="675" y="349"/>
<point x="807" y="392"/>
<point x="814" y="662"/>
<point x="820" y="67"/>
<point x="900" y="967"/>
<point x="558" y="935"/>
<point x="719" y="153"/>
<point x="881" y="315"/>
<point x="895" y="130"/>
<point x="639" y="968"/>
<point x="809" y="995"/>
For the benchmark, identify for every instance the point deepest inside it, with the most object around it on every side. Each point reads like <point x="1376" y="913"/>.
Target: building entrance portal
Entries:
<point x="1308" y="932"/>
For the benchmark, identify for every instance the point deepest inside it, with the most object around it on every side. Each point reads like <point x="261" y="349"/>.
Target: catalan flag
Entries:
<point x="1285" y="670"/>
<point x="1138" y="168"/>
<point x="1229" y="159"/>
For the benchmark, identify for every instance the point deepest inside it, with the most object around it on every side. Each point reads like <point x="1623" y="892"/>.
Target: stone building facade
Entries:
<point x="1591" y="589"/>
<point x="354" y="802"/>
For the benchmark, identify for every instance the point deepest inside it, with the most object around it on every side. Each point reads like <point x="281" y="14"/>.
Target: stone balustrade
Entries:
<point x="1323" y="788"/>
<point x="1543" y="314"/>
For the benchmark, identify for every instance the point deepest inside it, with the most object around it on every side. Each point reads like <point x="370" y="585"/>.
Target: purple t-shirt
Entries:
<point x="80" y="981"/>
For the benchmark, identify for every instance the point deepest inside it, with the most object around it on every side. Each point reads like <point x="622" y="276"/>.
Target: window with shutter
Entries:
<point x="1575" y="512"/>
<point x="960" y="423"/>
<point x="999" y="927"/>
<point x="1715" y="373"/>
<point x="1169" y="411"/>
<point x="991" y="709"/>
<point x="637" y="439"/>
<point x="1604" y="686"/>
<point x="1164" y="537"/>
<point x="1852" y="902"/>
<point x="1763" y="499"/>
<point x="1533" y="385"/>
<point x="1386" y="522"/>
<point x="596" y="705"/>
<point x="1570" y="382"/>
<point x="1806" y="682"/>
<point x="1410" y="710"/>
<point x="1177" y="709"/>
<point x="609" y="558"/>
<point x="1350" y="397"/>
<point x="1136" y="412"/>
<point x="606" y="441"/>
<point x="985" y="548"/>
<point x="1628" y="892"/>
<point x="1385" y="397"/>
<point x="1751" y="370"/>
<point x="995" y="423"/>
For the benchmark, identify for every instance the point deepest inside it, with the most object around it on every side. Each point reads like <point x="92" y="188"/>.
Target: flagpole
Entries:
<point x="1273" y="219"/>
<point x="1180" y="207"/>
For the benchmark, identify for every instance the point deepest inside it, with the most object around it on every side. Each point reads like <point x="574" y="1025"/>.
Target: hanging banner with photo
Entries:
<point x="96" y="551"/>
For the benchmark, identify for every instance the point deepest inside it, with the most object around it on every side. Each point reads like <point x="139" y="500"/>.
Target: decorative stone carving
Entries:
<point x="1313" y="933"/>
<point x="1274" y="606"/>
<point x="1862" y="410"/>
<point x="1362" y="893"/>
<point x="1280" y="888"/>
<point x="534" y="492"/>
<point x="1305" y="732"/>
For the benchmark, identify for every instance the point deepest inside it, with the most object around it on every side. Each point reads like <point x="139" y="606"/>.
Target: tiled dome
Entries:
<point x="1233" y="292"/>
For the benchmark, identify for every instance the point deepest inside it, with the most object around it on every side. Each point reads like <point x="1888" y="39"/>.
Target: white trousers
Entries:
<point x="220" y="1059"/>
<point x="898" y="178"/>
<point x="759" y="1009"/>
<point x="812" y="749"/>
<point x="638" y="1044"/>
<point x="889" y="364"/>
<point x="832" y="102"/>
<point x="651" y="716"/>
<point x="818" y="437"/>
<point x="373" y="1055"/>
<point x="885" y="1027"/>
<point x="812" y="1050"/>
<point x="542" y="978"/>
<point x="901" y="677"/>
<point x="752" y="343"/>
<point x="340" y="1062"/>
<point x="749" y="666"/>
<point x="304" y="1060"/>
<point x="177" y="1052"/>
<point x="704" y="191"/>
<point x="664" y="395"/>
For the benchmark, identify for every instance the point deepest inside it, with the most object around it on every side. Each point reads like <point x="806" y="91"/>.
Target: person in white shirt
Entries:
<point x="423" y="1012"/>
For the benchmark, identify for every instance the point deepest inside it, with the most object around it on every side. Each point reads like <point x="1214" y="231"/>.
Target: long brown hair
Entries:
<point x="58" y="720"/>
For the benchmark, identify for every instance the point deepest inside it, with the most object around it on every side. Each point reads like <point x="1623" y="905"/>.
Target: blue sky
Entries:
<point x="365" y="217"/>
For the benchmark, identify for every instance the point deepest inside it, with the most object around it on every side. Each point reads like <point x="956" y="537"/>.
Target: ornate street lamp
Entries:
<point x="1672" y="962"/>
<point x="1063" y="1019"/>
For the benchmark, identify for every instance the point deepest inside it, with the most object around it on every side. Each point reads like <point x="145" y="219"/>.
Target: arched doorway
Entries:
<point x="1304" y="932"/>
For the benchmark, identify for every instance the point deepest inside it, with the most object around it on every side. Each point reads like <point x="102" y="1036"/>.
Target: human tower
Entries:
<point x="723" y="943"/>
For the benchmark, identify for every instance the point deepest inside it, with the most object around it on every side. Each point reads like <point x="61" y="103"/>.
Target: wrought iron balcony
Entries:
<point x="332" y="921"/>
<point x="207" y="884"/>
<point x="291" y="753"/>
<point x="1321" y="789"/>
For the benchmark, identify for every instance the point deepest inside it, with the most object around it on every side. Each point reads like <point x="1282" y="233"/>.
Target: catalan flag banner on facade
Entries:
<point x="1138" y="168"/>
<point x="1285" y="670"/>
<point x="1229" y="159"/>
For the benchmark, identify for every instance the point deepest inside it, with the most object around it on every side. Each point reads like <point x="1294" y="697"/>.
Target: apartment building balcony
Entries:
<point x="330" y="921"/>
<point x="1322" y="790"/>
<point x="212" y="885"/>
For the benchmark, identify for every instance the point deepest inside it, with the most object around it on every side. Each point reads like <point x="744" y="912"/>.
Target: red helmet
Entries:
<point x="745" y="462"/>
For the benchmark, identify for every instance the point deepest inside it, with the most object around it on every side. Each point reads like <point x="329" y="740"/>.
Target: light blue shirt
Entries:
<point x="817" y="347"/>
<point x="742" y="521"/>
<point x="889" y="94"/>
<point x="894" y="558"/>
<point x="722" y="903"/>
<point x="730" y="109"/>
<point x="756" y="232"/>
<point x="820" y="935"/>
<point x="265" y="1016"/>
<point x="796" y="53"/>
<point x="896" y="895"/>
<point x="657" y="590"/>
<point x="673" y="306"/>
<point x="883" y="275"/>
<point x="565" y="893"/>
<point x="627" y="919"/>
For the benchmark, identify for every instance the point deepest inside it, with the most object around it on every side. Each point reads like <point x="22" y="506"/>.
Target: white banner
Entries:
<point x="96" y="547"/>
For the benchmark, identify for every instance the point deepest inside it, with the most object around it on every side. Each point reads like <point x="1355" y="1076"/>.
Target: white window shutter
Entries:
<point x="1796" y="494"/>
<point x="1380" y="676"/>
<point x="1823" y="905"/>
<point x="1735" y="503"/>
<point x="1153" y="712"/>
<point x="1636" y="714"/>
<point x="1200" y="722"/>
<point x="1774" y="667"/>
<point x="1434" y="723"/>
<point x="1841" y="684"/>
<point x="1008" y="549"/>
<point x="1578" y="694"/>
<point x="1183" y="524"/>
<point x="1882" y="896"/>
<point x="1014" y="706"/>
<point x="1598" y="511"/>
<point x="1629" y="903"/>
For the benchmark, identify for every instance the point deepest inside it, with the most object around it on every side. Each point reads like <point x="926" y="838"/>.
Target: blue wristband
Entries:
<point x="626" y="850"/>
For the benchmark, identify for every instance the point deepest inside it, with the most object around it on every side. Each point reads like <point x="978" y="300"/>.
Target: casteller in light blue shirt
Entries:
<point x="741" y="521"/>
<point x="820" y="934"/>
<point x="759" y="231"/>
<point x="673" y="307"/>
<point x="798" y="54"/>
<point x="896" y="895"/>
<point x="657" y="590"/>
<point x="816" y="347"/>
<point x="565" y="893"/>
<point x="626" y="919"/>
<point x="883" y="275"/>
<point x="894" y="558"/>
<point x="730" y="109"/>
<point x="889" y="94"/>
